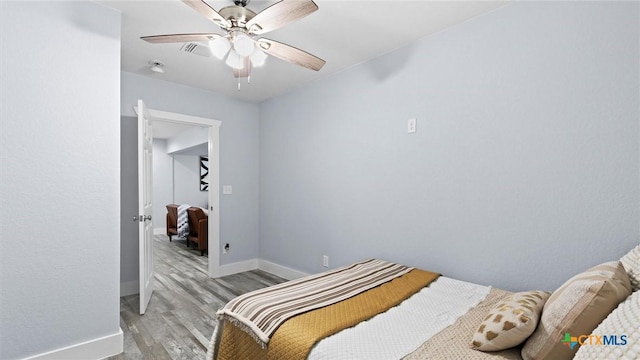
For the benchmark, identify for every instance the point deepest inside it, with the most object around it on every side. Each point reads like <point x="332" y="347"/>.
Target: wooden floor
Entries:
<point x="180" y="317"/>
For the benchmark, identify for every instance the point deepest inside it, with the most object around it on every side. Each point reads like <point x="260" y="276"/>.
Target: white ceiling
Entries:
<point x="343" y="33"/>
<point x="166" y="129"/>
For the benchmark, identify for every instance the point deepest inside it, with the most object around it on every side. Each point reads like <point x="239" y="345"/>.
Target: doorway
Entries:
<point x="129" y="263"/>
<point x="213" y="200"/>
<point x="179" y="151"/>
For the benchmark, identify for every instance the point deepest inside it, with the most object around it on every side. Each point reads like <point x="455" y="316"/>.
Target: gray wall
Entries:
<point x="60" y="176"/>
<point x="186" y="177"/>
<point x="238" y="152"/>
<point x="524" y="169"/>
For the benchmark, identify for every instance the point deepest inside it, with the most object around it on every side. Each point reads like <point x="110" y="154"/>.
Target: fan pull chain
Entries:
<point x="248" y="81"/>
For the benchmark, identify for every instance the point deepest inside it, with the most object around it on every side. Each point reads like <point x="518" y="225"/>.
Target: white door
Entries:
<point x="145" y="205"/>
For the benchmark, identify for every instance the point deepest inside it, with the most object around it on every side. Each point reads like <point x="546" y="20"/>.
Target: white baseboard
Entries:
<point x="129" y="288"/>
<point x="159" y="231"/>
<point x="238" y="267"/>
<point x="264" y="265"/>
<point x="282" y="271"/>
<point x="94" y="349"/>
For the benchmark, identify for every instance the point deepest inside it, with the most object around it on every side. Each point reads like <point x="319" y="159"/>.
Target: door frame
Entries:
<point x="214" y="177"/>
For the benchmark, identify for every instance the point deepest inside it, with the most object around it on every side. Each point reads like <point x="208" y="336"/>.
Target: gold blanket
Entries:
<point x="295" y="338"/>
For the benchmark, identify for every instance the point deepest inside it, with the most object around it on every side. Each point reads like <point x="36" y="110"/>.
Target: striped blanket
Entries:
<point x="261" y="312"/>
<point x="183" y="221"/>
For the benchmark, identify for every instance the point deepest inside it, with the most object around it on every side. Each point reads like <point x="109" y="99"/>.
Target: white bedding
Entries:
<point x="402" y="329"/>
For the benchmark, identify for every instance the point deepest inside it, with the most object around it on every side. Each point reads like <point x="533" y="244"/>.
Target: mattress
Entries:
<point x="436" y="322"/>
<point x="402" y="329"/>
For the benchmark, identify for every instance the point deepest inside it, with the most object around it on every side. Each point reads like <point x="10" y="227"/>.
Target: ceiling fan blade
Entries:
<point x="291" y="54"/>
<point x="179" y="38"/>
<point x="208" y="12"/>
<point x="280" y="14"/>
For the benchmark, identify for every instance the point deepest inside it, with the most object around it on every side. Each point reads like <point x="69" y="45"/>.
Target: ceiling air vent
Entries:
<point x="196" y="48"/>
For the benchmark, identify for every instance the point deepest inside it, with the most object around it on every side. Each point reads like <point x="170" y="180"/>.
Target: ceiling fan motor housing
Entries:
<point x="238" y="16"/>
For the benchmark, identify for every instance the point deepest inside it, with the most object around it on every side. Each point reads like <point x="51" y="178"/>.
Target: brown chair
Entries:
<point x="198" y="228"/>
<point x="172" y="220"/>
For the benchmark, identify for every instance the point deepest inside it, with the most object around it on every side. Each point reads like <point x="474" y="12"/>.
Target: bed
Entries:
<point x="375" y="309"/>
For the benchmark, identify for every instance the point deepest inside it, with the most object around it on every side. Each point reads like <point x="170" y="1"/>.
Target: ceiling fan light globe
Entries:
<point x="234" y="60"/>
<point x="258" y="57"/>
<point x="220" y="47"/>
<point x="243" y="45"/>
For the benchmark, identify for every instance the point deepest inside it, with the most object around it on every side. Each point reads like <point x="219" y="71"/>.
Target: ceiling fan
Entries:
<point x="240" y="45"/>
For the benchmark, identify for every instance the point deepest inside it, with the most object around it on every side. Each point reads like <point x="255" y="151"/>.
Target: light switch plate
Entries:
<point x="227" y="190"/>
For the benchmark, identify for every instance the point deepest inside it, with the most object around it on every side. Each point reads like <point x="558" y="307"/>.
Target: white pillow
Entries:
<point x="623" y="320"/>
<point x="631" y="263"/>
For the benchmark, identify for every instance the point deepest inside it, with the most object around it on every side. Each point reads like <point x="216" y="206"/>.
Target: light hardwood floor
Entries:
<point x="181" y="315"/>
